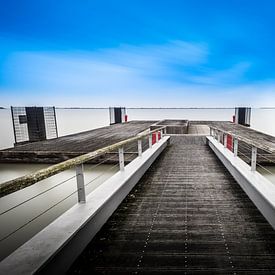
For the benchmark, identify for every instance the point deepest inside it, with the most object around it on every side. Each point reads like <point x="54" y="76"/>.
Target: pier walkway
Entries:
<point x="187" y="215"/>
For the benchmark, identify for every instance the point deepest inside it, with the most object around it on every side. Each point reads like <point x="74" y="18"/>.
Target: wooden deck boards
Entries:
<point x="187" y="215"/>
<point x="62" y="148"/>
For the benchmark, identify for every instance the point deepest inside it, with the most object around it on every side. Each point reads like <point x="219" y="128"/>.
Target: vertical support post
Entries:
<point x="121" y="158"/>
<point x="219" y="136"/>
<point x="253" y="158"/>
<point x="150" y="141"/>
<point x="80" y="183"/>
<point x="211" y="132"/>
<point x="161" y="133"/>
<point x="165" y="131"/>
<point x="157" y="136"/>
<point x="225" y="140"/>
<point x="139" y="147"/>
<point x="55" y="121"/>
<point x="236" y="147"/>
<point x="14" y="132"/>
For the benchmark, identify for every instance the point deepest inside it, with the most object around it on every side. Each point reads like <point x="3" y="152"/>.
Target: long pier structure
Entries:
<point x="187" y="204"/>
<point x="186" y="216"/>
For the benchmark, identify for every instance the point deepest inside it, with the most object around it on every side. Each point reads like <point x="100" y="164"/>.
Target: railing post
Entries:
<point x="150" y="141"/>
<point x="121" y="158"/>
<point x="253" y="158"/>
<point x="161" y="133"/>
<point x="165" y="131"/>
<point x="219" y="137"/>
<point x="157" y="136"/>
<point x="139" y="147"/>
<point x="211" y="131"/>
<point x="225" y="140"/>
<point x="236" y="147"/>
<point x="80" y="183"/>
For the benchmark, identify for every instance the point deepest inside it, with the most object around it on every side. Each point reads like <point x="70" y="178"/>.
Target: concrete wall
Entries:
<point x="55" y="248"/>
<point x="260" y="190"/>
<point x="173" y="127"/>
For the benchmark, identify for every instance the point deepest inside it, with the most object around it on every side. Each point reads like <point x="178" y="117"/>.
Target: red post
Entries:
<point x="154" y="138"/>
<point x="126" y="118"/>
<point x="229" y="142"/>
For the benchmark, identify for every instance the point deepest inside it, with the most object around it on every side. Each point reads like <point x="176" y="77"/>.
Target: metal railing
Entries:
<point x="77" y="162"/>
<point x="240" y="144"/>
<point x="126" y="150"/>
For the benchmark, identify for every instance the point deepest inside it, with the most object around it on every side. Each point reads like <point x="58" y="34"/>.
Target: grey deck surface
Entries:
<point x="187" y="215"/>
<point x="62" y="148"/>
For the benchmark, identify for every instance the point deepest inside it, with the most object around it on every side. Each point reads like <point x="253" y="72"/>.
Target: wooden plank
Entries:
<point x="66" y="147"/>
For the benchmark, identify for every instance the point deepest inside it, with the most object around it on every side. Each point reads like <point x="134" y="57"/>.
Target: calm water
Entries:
<point x="72" y="121"/>
<point x="19" y="216"/>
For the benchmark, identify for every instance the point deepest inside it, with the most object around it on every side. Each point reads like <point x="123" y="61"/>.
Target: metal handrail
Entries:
<point x="30" y="179"/>
<point x="246" y="140"/>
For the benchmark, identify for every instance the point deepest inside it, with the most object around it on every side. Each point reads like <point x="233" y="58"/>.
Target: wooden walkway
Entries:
<point x="186" y="216"/>
<point x="63" y="148"/>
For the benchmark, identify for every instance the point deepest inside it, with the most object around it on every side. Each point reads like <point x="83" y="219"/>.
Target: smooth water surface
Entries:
<point x="33" y="215"/>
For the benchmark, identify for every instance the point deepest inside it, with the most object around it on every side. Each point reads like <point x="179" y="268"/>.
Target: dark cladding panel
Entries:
<point x="36" y="123"/>
<point x="242" y="115"/>
<point x="22" y="119"/>
<point x="117" y="114"/>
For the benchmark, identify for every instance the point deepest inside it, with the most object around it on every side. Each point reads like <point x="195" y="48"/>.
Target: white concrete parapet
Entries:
<point x="259" y="189"/>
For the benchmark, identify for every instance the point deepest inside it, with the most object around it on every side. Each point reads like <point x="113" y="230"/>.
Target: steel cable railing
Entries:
<point x="246" y="149"/>
<point x="39" y="194"/>
<point x="49" y="189"/>
<point x="55" y="204"/>
<point x="37" y="216"/>
<point x="131" y="151"/>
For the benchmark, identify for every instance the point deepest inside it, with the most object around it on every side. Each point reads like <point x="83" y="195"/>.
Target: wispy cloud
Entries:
<point x="177" y="73"/>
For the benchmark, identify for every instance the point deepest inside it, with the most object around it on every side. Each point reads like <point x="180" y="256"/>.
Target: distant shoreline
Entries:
<point x="151" y="108"/>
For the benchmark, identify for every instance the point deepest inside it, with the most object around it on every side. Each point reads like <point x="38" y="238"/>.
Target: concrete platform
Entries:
<point x="187" y="215"/>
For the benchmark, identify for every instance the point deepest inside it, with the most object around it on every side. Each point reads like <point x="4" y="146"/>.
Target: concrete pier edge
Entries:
<point x="259" y="189"/>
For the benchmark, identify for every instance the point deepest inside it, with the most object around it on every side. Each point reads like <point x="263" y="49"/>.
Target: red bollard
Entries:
<point x="154" y="138"/>
<point x="229" y="142"/>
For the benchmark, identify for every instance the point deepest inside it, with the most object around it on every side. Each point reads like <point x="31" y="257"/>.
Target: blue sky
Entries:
<point x="137" y="53"/>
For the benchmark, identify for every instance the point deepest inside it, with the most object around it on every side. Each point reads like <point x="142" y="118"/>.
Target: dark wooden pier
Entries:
<point x="186" y="216"/>
<point x="59" y="149"/>
<point x="70" y="146"/>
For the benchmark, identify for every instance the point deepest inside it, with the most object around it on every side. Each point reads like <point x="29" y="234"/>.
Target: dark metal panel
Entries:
<point x="36" y="123"/>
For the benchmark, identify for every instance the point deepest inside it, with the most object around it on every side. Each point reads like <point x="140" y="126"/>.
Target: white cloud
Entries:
<point x="130" y="75"/>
